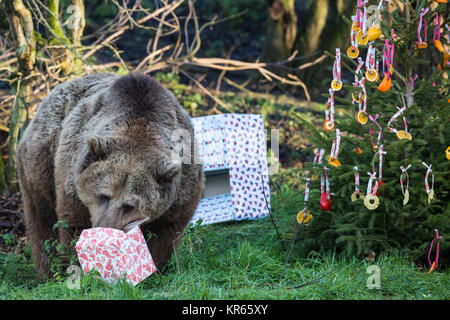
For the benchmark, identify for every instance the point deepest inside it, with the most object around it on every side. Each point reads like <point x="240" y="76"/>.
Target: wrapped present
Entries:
<point x="115" y="254"/>
<point x="234" y="159"/>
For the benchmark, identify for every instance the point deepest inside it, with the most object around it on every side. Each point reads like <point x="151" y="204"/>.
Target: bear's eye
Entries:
<point x="127" y="208"/>
<point x="103" y="199"/>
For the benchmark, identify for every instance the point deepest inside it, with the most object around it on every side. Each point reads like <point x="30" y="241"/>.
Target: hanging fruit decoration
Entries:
<point x="325" y="194"/>
<point x="388" y="65"/>
<point x="329" y="113"/>
<point x="401" y="134"/>
<point x="429" y="190"/>
<point x="371" y="201"/>
<point x="422" y="21"/>
<point x="333" y="158"/>
<point x="336" y="84"/>
<point x="371" y="71"/>
<point x="357" y="195"/>
<point x="405" y="191"/>
<point x="305" y="216"/>
<point x="433" y="265"/>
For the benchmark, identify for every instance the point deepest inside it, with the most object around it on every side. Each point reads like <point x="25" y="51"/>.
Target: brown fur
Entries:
<point x="97" y="153"/>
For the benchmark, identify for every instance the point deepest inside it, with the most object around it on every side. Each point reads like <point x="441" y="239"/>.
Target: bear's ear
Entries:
<point x="167" y="170"/>
<point x="98" y="148"/>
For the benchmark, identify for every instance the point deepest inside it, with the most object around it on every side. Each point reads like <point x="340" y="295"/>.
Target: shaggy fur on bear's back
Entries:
<point x="99" y="152"/>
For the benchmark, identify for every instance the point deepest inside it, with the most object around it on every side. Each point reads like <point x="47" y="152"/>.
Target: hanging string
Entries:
<point x="374" y="120"/>
<point x="422" y="20"/>
<point x="433" y="265"/>
<point x="430" y="191"/>
<point x="405" y="191"/>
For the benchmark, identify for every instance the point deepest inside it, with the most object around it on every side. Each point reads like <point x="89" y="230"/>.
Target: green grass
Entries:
<point x="242" y="261"/>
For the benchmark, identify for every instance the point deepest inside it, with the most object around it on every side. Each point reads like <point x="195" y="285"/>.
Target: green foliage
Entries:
<point x="350" y="227"/>
<point x="241" y="261"/>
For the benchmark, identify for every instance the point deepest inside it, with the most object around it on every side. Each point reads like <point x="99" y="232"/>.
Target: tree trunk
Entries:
<point x="281" y="30"/>
<point x="67" y="51"/>
<point x="21" y="25"/>
<point x="309" y="38"/>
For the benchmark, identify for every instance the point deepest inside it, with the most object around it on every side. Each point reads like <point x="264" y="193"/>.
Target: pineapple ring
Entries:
<point x="371" y="202"/>
<point x="301" y="217"/>
<point x="357" y="196"/>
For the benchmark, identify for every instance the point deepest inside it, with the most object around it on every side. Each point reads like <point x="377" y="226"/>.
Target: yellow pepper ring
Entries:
<point x="353" y="52"/>
<point x="401" y="134"/>
<point x="301" y="217"/>
<point x="372" y="75"/>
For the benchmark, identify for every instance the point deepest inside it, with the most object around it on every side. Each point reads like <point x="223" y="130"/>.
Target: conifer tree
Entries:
<point x="397" y="105"/>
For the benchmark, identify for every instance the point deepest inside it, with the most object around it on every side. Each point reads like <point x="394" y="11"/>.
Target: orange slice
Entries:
<point x="362" y="40"/>
<point x="438" y="45"/>
<point x="336" y="85"/>
<point x="433" y="266"/>
<point x="353" y="52"/>
<point x="355" y="26"/>
<point x="372" y="75"/>
<point x="386" y="84"/>
<point x="334" y="162"/>
<point x="301" y="218"/>
<point x="328" y="125"/>
<point x="361" y="117"/>
<point x="355" y="96"/>
<point x="401" y="134"/>
<point x="374" y="33"/>
<point x="421" y="46"/>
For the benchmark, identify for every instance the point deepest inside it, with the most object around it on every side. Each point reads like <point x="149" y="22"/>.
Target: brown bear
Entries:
<point x="100" y="153"/>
